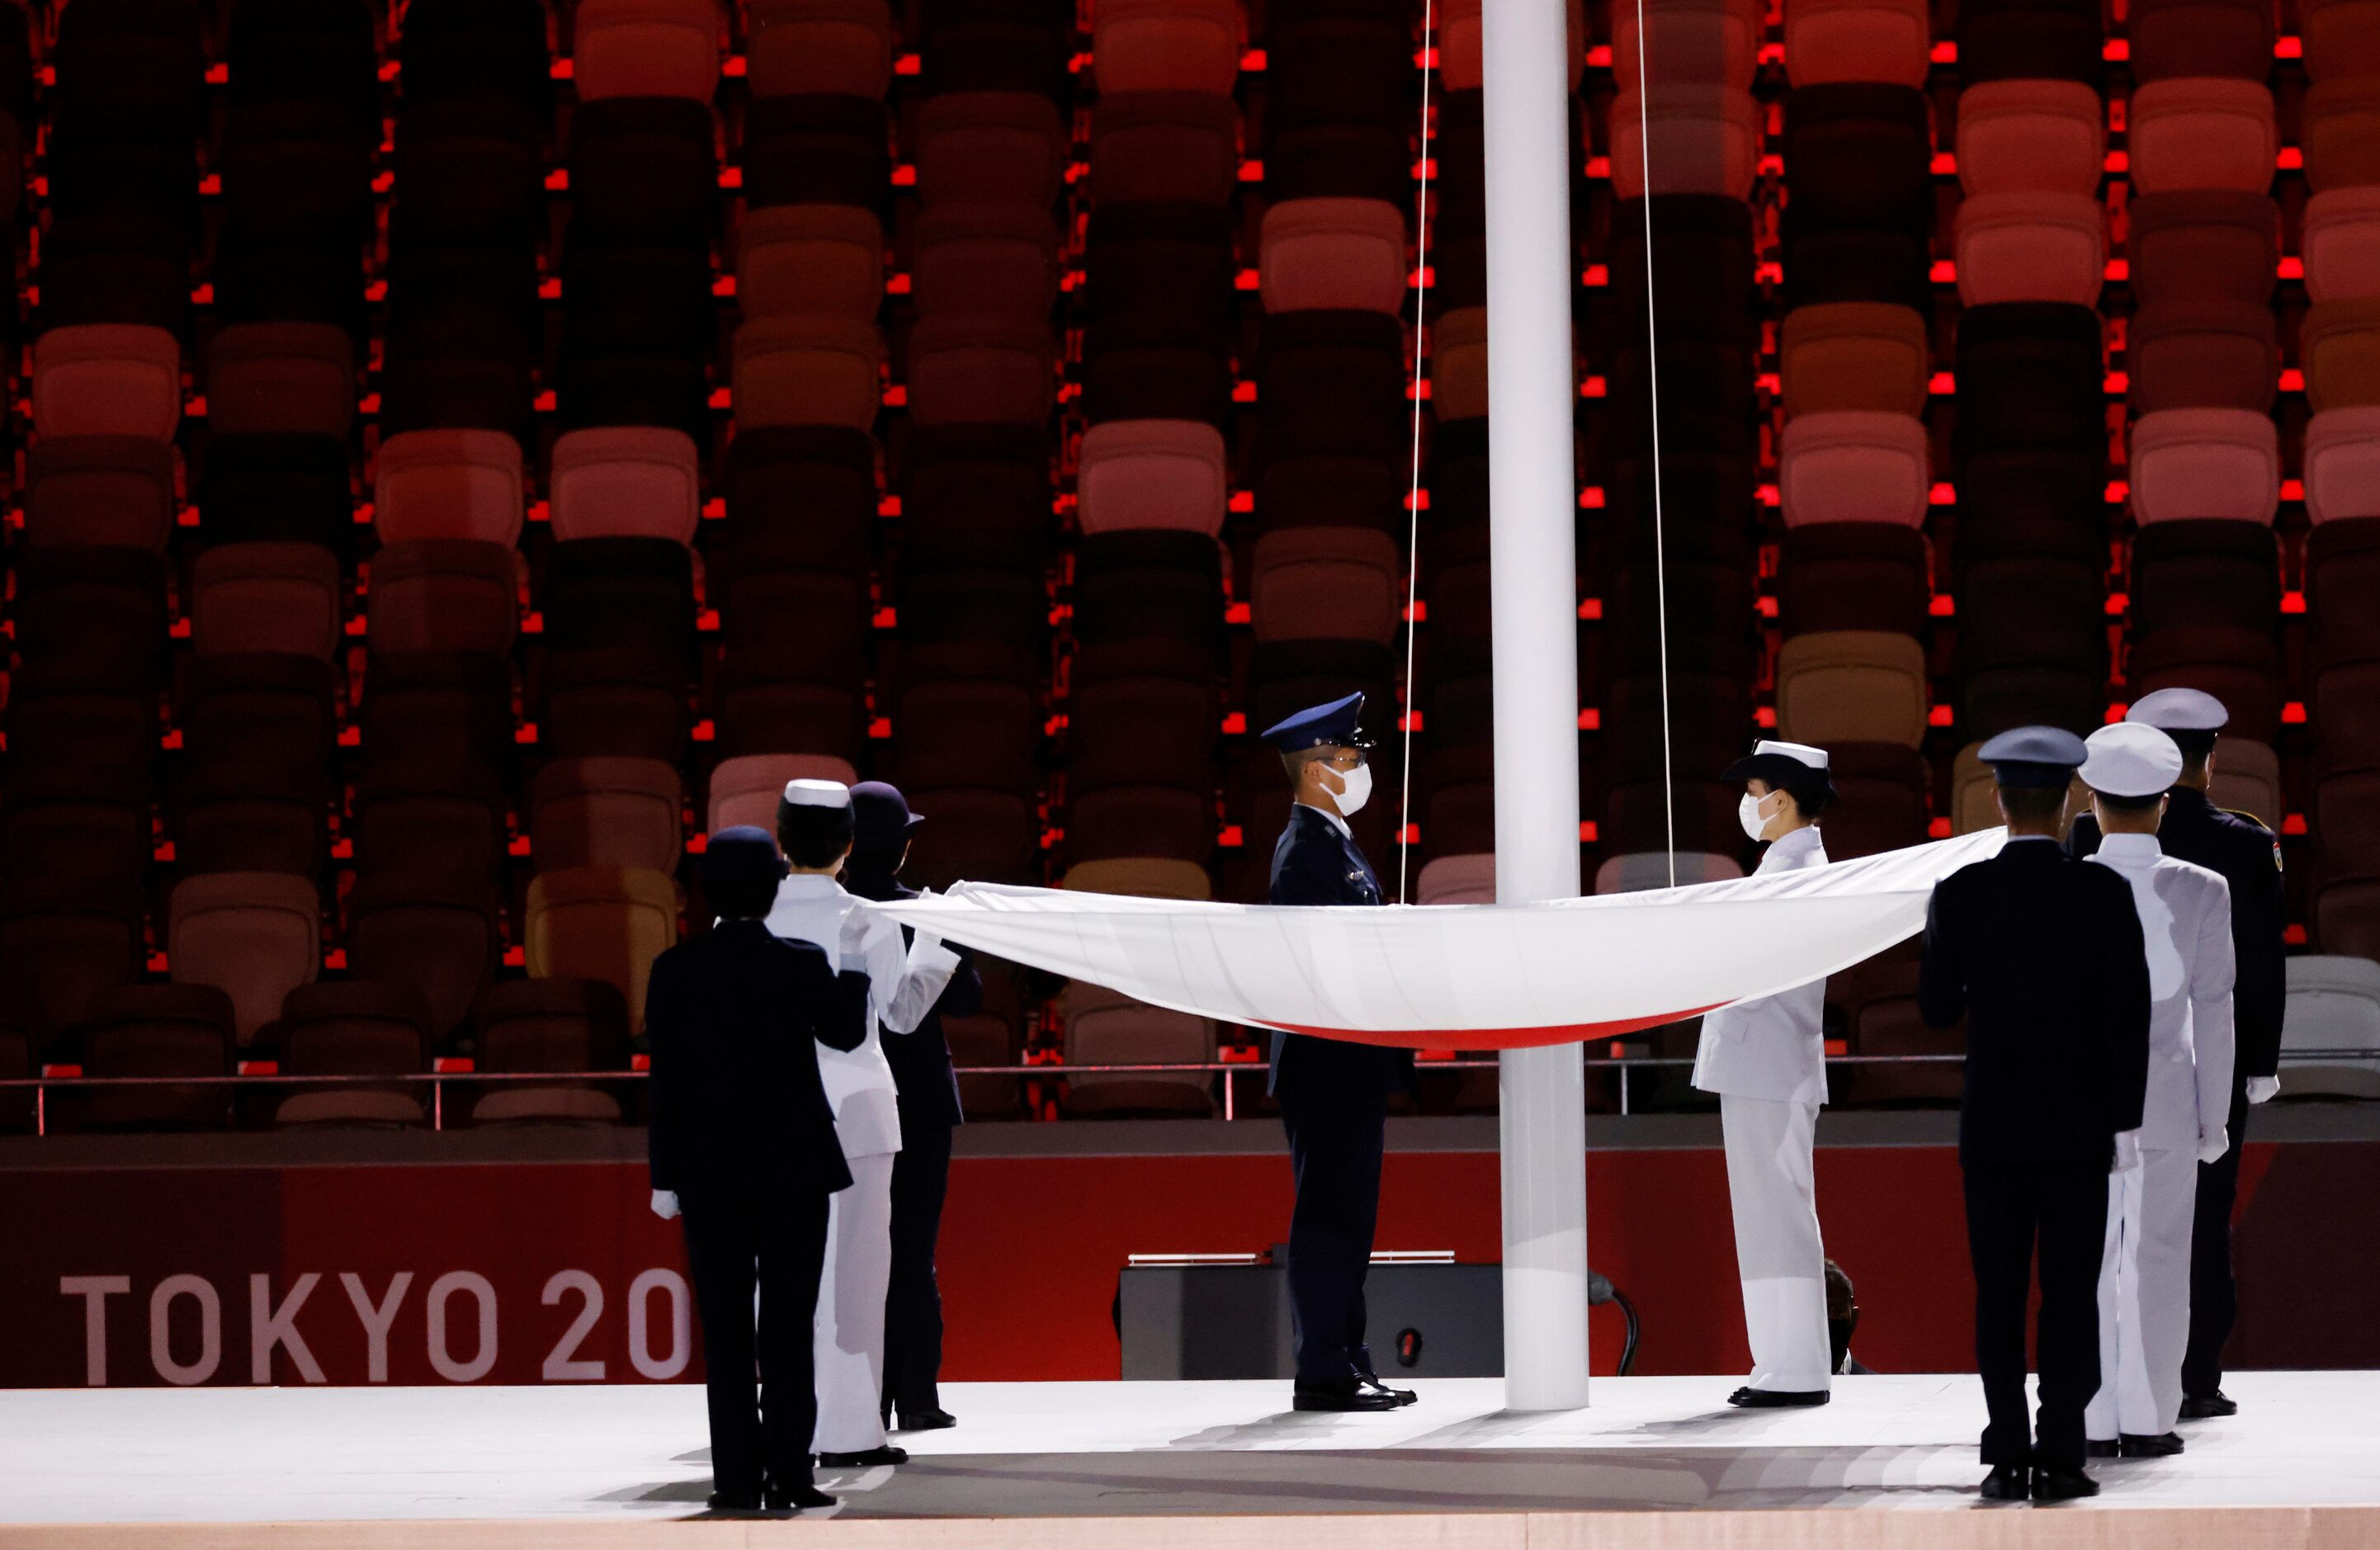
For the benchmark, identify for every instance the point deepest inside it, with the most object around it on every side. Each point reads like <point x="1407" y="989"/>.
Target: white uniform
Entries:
<point x="848" y="1349"/>
<point x="2144" y="1274"/>
<point x="1767" y="1060"/>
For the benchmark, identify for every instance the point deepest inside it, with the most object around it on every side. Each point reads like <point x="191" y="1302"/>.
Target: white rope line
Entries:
<point x="1412" y="500"/>
<point x="1653" y="377"/>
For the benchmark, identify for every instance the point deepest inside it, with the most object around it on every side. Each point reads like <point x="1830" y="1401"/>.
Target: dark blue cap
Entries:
<point x="1330" y="725"/>
<point x="880" y="816"/>
<point x="2041" y="757"/>
<point x="742" y="857"/>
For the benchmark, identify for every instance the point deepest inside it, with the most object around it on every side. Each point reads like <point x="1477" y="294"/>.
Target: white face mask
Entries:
<point x="1355" y="789"/>
<point x="1747" y="813"/>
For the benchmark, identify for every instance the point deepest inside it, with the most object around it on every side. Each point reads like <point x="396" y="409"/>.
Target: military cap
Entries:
<point x="2190" y="716"/>
<point x="816" y="793"/>
<point x="1329" y="726"/>
<point x="2041" y="757"/>
<point x="2130" y="760"/>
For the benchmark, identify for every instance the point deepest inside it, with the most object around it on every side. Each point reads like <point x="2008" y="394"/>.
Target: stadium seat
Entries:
<point x="625" y="481"/>
<point x="2344" y="913"/>
<point x="1460" y="879"/>
<point x="1972" y="805"/>
<point x="1168" y="45"/>
<point x="266" y="597"/>
<point x="1458" y="364"/>
<point x="468" y="170"/>
<point x="355" y="1028"/>
<point x="105" y="379"/>
<point x="2202" y="355"/>
<point x="105" y="608"/>
<point x="977" y="834"/>
<point x="2206" y="462"/>
<point x="476" y="48"/>
<point x="2029" y="43"/>
<point x="761" y="707"/>
<point x="63" y="943"/>
<point x="645" y="48"/>
<point x="1105" y="1029"/>
<point x="2341" y="243"/>
<point x="1343" y="254"/>
<point x="747" y="788"/>
<point x="2201" y="132"/>
<point x="1701" y="42"/>
<point x="1706" y="139"/>
<point x="541" y="1027"/>
<point x="816" y="148"/>
<point x="1168" y="474"/>
<point x="1703" y="252"/>
<point x="2030" y="375"/>
<point x="2342" y="464"/>
<point x="1827" y="41"/>
<point x="2240" y="666"/>
<point x="982" y="257"/>
<point x="1861" y="265"/>
<point x="434" y="815"/>
<point x="1848" y="356"/>
<point x="447" y="709"/>
<point x="68" y="820"/>
<point x="2180" y="39"/>
<point x="69" y="712"/>
<point x="2340" y="132"/>
<point x="1142" y="877"/>
<point x="2334" y="1005"/>
<point x="2031" y="136"/>
<point x="2248" y="779"/>
<point x="805" y="47"/>
<point x="2206" y="244"/>
<point x="1330" y="583"/>
<point x="998" y="147"/>
<point x="445" y="594"/>
<point x="643" y="169"/>
<point x="619" y="593"/>
<point x="1334" y="381"/>
<point x="1888" y="1022"/>
<point x="617" y="812"/>
<point x="810" y="258"/>
<point x="2030" y="246"/>
<point x="976" y="368"/>
<point x="411" y="922"/>
<point x="104" y="492"/>
<point x="154" y="1030"/>
<point x="1883" y="787"/>
<point x="1164" y="147"/>
<point x="261" y="487"/>
<point x="1851" y="687"/>
<point x="1853" y="466"/>
<point x="2340" y="349"/>
<point x="2339" y="37"/>
<point x="1458" y="43"/>
<point x="238" y="815"/>
<point x="598" y="923"/>
<point x="255" y="935"/>
<point x="1862" y="576"/>
<point x="1858" y="156"/>
<point x="281" y="376"/>
<point x="1641" y="870"/>
<point x="627" y="702"/>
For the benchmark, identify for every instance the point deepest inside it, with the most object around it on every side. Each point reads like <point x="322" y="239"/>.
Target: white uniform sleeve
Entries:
<point x="904" y="986"/>
<point x="2211" y="973"/>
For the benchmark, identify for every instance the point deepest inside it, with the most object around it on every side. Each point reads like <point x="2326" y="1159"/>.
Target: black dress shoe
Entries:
<point x="927" y="1420"/>
<point x="793" y="1497"/>
<point x="1750" y="1399"/>
<point x="2061" y="1482"/>
<point x="2008" y="1482"/>
<point x="2098" y="1448"/>
<point x="734" y="1501"/>
<point x="2163" y="1445"/>
<point x="1349" y="1394"/>
<point x="887" y="1454"/>
<point x="2208" y="1407"/>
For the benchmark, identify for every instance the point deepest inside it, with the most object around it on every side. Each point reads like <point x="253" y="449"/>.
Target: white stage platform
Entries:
<point x="1654" y="1463"/>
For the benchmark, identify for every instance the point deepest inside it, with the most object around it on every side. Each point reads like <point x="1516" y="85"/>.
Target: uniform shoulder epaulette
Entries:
<point x="2243" y="814"/>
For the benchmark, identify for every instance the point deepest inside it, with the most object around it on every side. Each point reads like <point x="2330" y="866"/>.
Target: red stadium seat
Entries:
<point x="1700" y="42"/>
<point x="1706" y="139"/>
<point x="645" y="48"/>
<point x="355" y="1028"/>
<point x="1153" y="474"/>
<point x="2201" y="132"/>
<point x="813" y="46"/>
<point x="154" y="1030"/>
<point x="1327" y="583"/>
<point x="2342" y="464"/>
<point x="112" y="492"/>
<point x="2030" y="246"/>
<point x="281" y="376"/>
<point x="545" y="1026"/>
<point x="2174" y="39"/>
<point x="747" y="788"/>
<point x="1168" y="45"/>
<point x="984" y="256"/>
<point x="1866" y="576"/>
<point x="450" y="594"/>
<point x="1853" y="466"/>
<point x="2206" y="462"/>
<point x="414" y="924"/>
<point x="242" y="815"/>
<point x="1346" y="253"/>
<point x="811" y="369"/>
<point x="2206" y="244"/>
<point x="2341" y="244"/>
<point x="255" y="935"/>
<point x="284" y="598"/>
<point x="976" y="368"/>
<point x="1883" y="787"/>
<point x="2341" y="132"/>
<point x="1830" y="41"/>
<point x="107" y="379"/>
<point x="810" y="258"/>
<point x="2340" y="349"/>
<point x="1000" y="147"/>
<point x="68" y="821"/>
<point x="2031" y="136"/>
<point x="623" y="812"/>
<point x="442" y="816"/>
<point x="625" y="481"/>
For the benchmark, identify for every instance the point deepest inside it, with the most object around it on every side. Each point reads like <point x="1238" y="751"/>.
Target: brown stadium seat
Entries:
<point x="452" y="483"/>
<point x="1458" y="364"/>
<point x="2341" y="131"/>
<point x="1345" y="253"/>
<point x="242" y="816"/>
<point x="2341" y="243"/>
<point x="811" y="258"/>
<point x="1706" y="139"/>
<point x="1153" y="474"/>
<point x="975" y="256"/>
<point x="625" y="482"/>
<point x="283" y="599"/>
<point x="804" y="47"/>
<point x="1852" y="686"/>
<point x="2201" y="132"/>
<point x="746" y="788"/>
<point x="1854" y="355"/>
<point x="104" y="378"/>
<point x="435" y="931"/>
<point x="452" y="595"/>
<point x="113" y="491"/>
<point x="600" y="922"/>
<point x="2206" y="462"/>
<point x="61" y="944"/>
<point x="2342" y="464"/>
<point x="255" y="935"/>
<point x="70" y="821"/>
<point x="2204" y="355"/>
<point x="154" y="1030"/>
<point x="809" y="369"/>
<point x="2340" y="349"/>
<point x="1159" y="46"/>
<point x="1105" y="1029"/>
<point x="549" y="1026"/>
<point x="2209" y="244"/>
<point x="2031" y="136"/>
<point x="2248" y="779"/>
<point x="645" y="48"/>
<point x="981" y="368"/>
<point x="355" y="1028"/>
<point x="621" y="813"/>
<point x="281" y="376"/>
<point x="1327" y="583"/>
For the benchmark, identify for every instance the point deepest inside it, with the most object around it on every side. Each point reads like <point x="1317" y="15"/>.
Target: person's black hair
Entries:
<point x="2129" y="804"/>
<point x="2194" y="761"/>
<point x="813" y="836"/>
<point x="2032" y="804"/>
<point x="1812" y="798"/>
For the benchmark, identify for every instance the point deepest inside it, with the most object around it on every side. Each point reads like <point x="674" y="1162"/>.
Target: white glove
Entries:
<point x="2128" y="1152"/>
<point x="665" y="1204"/>
<point x="2214" y="1146"/>
<point x="2261" y="1088"/>
<point x="851" y="941"/>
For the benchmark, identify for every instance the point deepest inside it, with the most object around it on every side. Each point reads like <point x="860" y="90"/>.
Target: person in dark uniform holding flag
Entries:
<point x="929" y="1102"/>
<point x="2045" y="959"/>
<point x="1334" y="1094"/>
<point x="2249" y="858"/>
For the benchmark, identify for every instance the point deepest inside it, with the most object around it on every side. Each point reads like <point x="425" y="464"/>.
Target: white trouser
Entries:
<point x="2144" y="1298"/>
<point x="1772" y="1187"/>
<point x="849" y="1344"/>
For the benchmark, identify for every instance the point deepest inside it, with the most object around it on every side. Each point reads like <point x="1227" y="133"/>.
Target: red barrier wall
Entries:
<point x="579" y="1282"/>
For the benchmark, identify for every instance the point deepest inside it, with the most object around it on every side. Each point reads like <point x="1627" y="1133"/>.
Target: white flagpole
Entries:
<point x="1533" y="495"/>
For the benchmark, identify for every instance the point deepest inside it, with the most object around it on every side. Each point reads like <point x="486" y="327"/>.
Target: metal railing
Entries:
<point x="61" y="1082"/>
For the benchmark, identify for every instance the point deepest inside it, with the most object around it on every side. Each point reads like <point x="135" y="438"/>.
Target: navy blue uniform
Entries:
<point x="1333" y="1099"/>
<point x="2248" y="857"/>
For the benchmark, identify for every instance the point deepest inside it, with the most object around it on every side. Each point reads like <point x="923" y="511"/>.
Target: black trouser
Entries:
<point x="913" y="1301"/>
<point x="2015" y="1210"/>
<point x="1335" y="1143"/>
<point x="2214" y="1299"/>
<point x="779" y="1244"/>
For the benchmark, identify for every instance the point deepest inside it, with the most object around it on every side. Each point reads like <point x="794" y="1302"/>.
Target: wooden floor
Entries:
<point x="1654" y="1463"/>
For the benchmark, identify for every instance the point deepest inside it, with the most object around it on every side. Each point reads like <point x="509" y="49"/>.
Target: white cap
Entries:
<point x="818" y="793"/>
<point x="2130" y="759"/>
<point x="1801" y="753"/>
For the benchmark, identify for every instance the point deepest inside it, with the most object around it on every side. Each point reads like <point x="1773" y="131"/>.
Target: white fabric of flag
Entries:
<point x="1467" y="976"/>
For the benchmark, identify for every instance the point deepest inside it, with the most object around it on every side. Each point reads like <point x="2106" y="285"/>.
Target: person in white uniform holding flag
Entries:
<point x="2144" y="1271"/>
<point x="1767" y="1060"/>
<point x="815" y="826"/>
